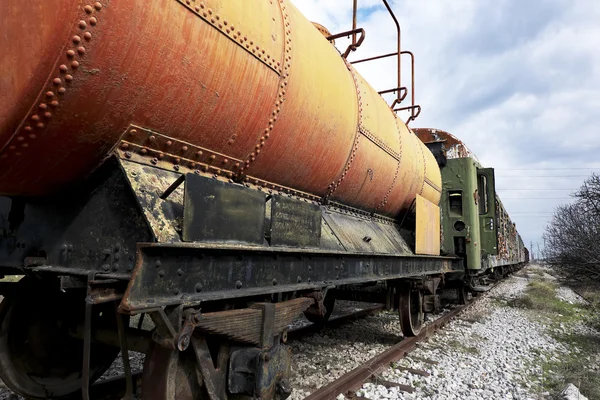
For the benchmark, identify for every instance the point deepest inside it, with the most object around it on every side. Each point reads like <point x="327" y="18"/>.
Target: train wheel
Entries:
<point x="498" y="275"/>
<point x="170" y="374"/>
<point x="199" y="372"/>
<point x="410" y="307"/>
<point x="39" y="358"/>
<point x="461" y="294"/>
<point x="315" y="318"/>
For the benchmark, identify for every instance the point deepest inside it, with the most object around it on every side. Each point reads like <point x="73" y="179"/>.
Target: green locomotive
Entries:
<point x="474" y="224"/>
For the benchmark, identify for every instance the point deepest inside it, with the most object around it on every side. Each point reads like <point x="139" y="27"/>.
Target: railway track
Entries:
<point x="350" y="382"/>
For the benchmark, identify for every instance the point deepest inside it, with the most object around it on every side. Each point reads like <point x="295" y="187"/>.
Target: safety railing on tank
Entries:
<point x="400" y="91"/>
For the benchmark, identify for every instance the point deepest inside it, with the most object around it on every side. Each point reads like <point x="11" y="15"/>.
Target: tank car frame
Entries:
<point x="221" y="268"/>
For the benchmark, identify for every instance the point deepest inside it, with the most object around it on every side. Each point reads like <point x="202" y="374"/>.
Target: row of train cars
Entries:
<point x="476" y="236"/>
<point x="216" y="169"/>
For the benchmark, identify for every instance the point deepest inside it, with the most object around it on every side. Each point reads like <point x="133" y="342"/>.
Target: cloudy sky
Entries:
<point x="518" y="81"/>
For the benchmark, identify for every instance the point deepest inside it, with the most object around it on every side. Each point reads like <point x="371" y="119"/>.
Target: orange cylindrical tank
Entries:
<point x="254" y="81"/>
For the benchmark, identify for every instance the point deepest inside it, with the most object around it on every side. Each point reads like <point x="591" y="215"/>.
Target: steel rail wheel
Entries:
<point x="498" y="274"/>
<point x="461" y="294"/>
<point x="199" y="372"/>
<point x="39" y="358"/>
<point x="170" y="374"/>
<point x="410" y="308"/>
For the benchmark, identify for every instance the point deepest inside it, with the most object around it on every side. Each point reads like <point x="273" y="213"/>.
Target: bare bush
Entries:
<point x="573" y="235"/>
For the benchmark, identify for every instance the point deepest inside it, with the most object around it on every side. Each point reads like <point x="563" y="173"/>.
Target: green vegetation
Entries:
<point x="578" y="365"/>
<point x="540" y="295"/>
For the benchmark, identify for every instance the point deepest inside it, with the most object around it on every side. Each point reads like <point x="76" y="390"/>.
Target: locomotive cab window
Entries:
<point x="483" y="194"/>
<point x="455" y="202"/>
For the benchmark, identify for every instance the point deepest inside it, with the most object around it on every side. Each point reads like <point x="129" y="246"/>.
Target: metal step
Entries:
<point x="481" y="288"/>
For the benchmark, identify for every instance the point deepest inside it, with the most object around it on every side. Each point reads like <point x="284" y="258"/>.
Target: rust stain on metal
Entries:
<point x="427" y="231"/>
<point x="324" y="31"/>
<point x="228" y="21"/>
<point x="453" y="146"/>
<point x="86" y="91"/>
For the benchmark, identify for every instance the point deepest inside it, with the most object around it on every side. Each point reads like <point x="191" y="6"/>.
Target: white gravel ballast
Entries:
<point x="489" y="352"/>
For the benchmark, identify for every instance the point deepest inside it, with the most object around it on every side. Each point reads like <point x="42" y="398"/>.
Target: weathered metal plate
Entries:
<point x="148" y="184"/>
<point x="190" y="273"/>
<point x="218" y="211"/>
<point x="428" y="227"/>
<point x="295" y="223"/>
<point x="329" y="241"/>
<point x="365" y="235"/>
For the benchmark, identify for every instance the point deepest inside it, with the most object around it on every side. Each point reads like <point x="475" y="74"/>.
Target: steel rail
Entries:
<point x="354" y="379"/>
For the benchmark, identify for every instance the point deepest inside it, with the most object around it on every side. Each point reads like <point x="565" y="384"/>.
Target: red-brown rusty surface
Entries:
<point x="454" y="147"/>
<point x="508" y="238"/>
<point x="254" y="82"/>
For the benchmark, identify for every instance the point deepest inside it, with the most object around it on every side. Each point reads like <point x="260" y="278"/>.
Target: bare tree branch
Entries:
<point x="573" y="235"/>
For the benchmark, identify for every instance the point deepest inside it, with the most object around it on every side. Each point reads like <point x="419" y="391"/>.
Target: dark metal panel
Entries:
<point x="219" y="211"/>
<point x="295" y="223"/>
<point x="94" y="227"/>
<point x="364" y="235"/>
<point x="192" y="273"/>
<point x="5" y="204"/>
<point x="488" y="230"/>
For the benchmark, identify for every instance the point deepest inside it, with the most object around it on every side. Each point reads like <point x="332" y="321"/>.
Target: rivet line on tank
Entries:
<point x="279" y="100"/>
<point x="379" y="143"/>
<point x="412" y="185"/>
<point x="334" y="185"/>
<point x="344" y="209"/>
<point x="389" y="191"/>
<point x="221" y="24"/>
<point x="424" y="170"/>
<point x="56" y="85"/>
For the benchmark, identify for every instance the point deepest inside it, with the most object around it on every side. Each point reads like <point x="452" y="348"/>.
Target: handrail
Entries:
<point x="413" y="116"/>
<point x="412" y="86"/>
<point x="399" y="60"/>
<point x="412" y="78"/>
<point x="354" y="45"/>
<point x="403" y="91"/>
<point x="400" y="91"/>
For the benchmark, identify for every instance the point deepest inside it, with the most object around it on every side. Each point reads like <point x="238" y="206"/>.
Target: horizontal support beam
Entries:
<point x="188" y="273"/>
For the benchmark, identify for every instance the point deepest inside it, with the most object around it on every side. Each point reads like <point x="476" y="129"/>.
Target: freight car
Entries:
<point x="215" y="165"/>
<point x="475" y="224"/>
